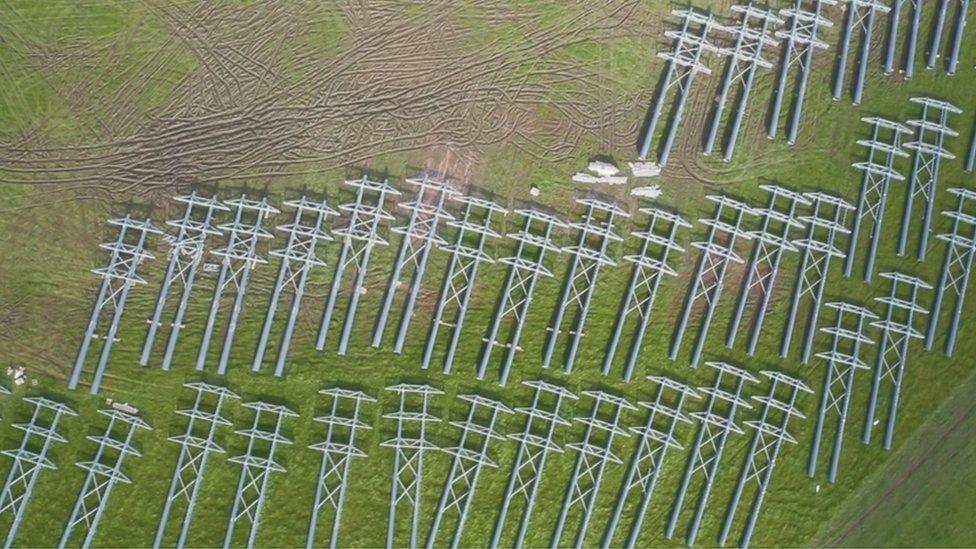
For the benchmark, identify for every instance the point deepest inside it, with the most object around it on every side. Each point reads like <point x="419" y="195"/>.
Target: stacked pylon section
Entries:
<point x="30" y="457"/>
<point x="651" y="264"/>
<point x="467" y="254"/>
<point x="118" y="277"/>
<point x="536" y="442"/>
<point x="418" y="239"/>
<point x="884" y="150"/>
<point x="525" y="268"/>
<point x="860" y="19"/>
<point x="359" y="238"/>
<point x="956" y="268"/>
<point x="590" y="254"/>
<point x="470" y="457"/>
<point x="305" y="233"/>
<point x="717" y="252"/>
<point x="338" y="450"/>
<point x="238" y="259"/>
<point x="826" y="224"/>
<point x="897" y="331"/>
<point x="186" y="253"/>
<point x="958" y="33"/>
<point x="778" y="221"/>
<point x="103" y="472"/>
<point x="842" y="360"/>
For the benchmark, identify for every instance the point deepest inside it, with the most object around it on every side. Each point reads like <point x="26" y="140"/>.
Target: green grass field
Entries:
<point x="48" y="244"/>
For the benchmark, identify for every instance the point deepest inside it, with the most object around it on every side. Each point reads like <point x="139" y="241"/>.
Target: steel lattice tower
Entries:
<point x="594" y="452"/>
<point x="409" y="448"/>
<point x="658" y="240"/>
<point x="118" y="277"/>
<point x="897" y="331"/>
<point x="771" y="430"/>
<point x="684" y="62"/>
<point x="298" y="258"/>
<point x="879" y="170"/>
<point x="842" y="361"/>
<point x="536" y="441"/>
<point x="589" y="255"/>
<point x="712" y="266"/>
<point x="745" y="56"/>
<point x="467" y="254"/>
<point x="778" y="222"/>
<point x="525" y="268"/>
<point x="419" y="238"/>
<point x="257" y="464"/>
<point x="196" y="444"/>
<point x="827" y="221"/>
<point x="912" y="46"/>
<point x="958" y="265"/>
<point x="958" y="32"/>
<point x="104" y="470"/>
<point x="859" y="19"/>
<point x="926" y="164"/>
<point x="800" y="41"/>
<point x="971" y="156"/>
<point x="359" y="237"/>
<point x="186" y="250"/>
<point x="338" y="450"/>
<point x="239" y="258"/>
<point x="714" y="425"/>
<point x="30" y="458"/>
<point x="470" y="456"/>
<point x="657" y="436"/>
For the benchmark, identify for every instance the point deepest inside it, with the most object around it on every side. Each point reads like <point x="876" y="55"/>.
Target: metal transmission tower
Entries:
<point x="684" y="62"/>
<point x="658" y="240"/>
<point x="771" y="430"/>
<point x="239" y="258"/>
<point x="712" y="266"/>
<point x="470" y="455"/>
<point x="745" y="56"/>
<point x="298" y="258"/>
<point x="186" y="250"/>
<point x="196" y="444"/>
<point x="467" y="254"/>
<point x="926" y="161"/>
<point x="958" y="265"/>
<point x="897" y="331"/>
<point x="30" y="458"/>
<point x="410" y="446"/>
<point x="257" y="464"/>
<point x="419" y="238"/>
<point x="778" y="221"/>
<point x="589" y="255"/>
<point x="536" y="441"/>
<point x="971" y="155"/>
<point x="594" y="452"/>
<point x="828" y="219"/>
<point x="359" y="237"/>
<point x="104" y="470"/>
<point x="892" y="47"/>
<point x="958" y="32"/>
<point x="800" y="42"/>
<point x="714" y="425"/>
<point x="338" y="450"/>
<point x="525" y="267"/>
<point x="859" y="19"/>
<point x="843" y="360"/>
<point x="118" y="277"/>
<point x="879" y="170"/>
<point x="656" y="437"/>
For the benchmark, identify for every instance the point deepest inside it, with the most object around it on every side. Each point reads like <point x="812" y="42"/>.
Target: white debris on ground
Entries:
<point x="818" y="488"/>
<point x="534" y="191"/>
<point x="645" y="169"/>
<point x="650" y="191"/>
<point x="606" y="174"/>
<point x="126" y="408"/>
<point x="18" y="374"/>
